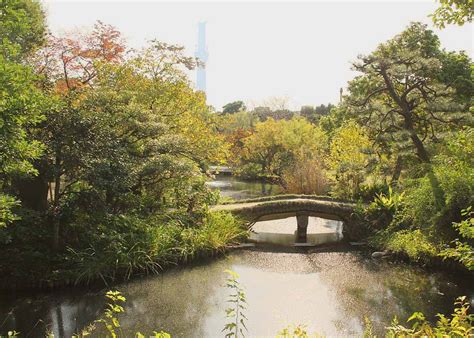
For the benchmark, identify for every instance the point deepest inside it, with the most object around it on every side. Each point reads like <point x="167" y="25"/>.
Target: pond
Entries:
<point x="330" y="289"/>
<point x="232" y="187"/>
<point x="330" y="292"/>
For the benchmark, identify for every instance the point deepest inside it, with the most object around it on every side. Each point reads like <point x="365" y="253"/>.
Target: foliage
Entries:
<point x="22" y="28"/>
<point x="460" y="325"/>
<point x="236" y="310"/>
<point x="453" y="12"/>
<point x="7" y="203"/>
<point x="380" y="212"/>
<point x="275" y="145"/>
<point x="314" y="114"/>
<point x="151" y="244"/>
<point x="414" y="243"/>
<point x="348" y="158"/>
<point x="305" y="176"/>
<point x="290" y="331"/>
<point x="233" y="107"/>
<point x="113" y="309"/>
<point x="390" y="202"/>
<point x="402" y="96"/>
<point x="235" y="128"/>
<point x="111" y="322"/>
<point x="463" y="250"/>
<point x="122" y="134"/>
<point x="22" y="31"/>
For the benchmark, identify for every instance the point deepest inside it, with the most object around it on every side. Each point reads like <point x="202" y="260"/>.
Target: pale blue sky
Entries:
<point x="298" y="50"/>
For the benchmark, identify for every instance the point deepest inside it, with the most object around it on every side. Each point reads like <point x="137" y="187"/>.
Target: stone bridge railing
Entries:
<point x="302" y="207"/>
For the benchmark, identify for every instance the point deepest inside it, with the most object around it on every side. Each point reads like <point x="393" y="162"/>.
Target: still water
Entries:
<point x="329" y="290"/>
<point x="232" y="187"/>
<point x="283" y="231"/>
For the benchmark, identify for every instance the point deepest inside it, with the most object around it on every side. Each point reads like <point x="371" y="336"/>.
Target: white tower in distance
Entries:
<point x="202" y="55"/>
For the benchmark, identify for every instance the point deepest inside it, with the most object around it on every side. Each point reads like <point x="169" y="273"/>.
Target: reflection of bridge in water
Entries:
<point x="300" y="206"/>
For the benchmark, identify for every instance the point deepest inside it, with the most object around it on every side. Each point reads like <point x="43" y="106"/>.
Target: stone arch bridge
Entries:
<point x="300" y="206"/>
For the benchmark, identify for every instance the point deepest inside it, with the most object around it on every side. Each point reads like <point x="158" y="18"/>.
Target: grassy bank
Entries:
<point x="119" y="248"/>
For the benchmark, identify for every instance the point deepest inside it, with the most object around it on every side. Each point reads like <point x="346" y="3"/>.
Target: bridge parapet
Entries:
<point x="301" y="207"/>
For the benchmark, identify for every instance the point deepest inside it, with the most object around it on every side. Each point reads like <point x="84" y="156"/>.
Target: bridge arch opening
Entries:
<point x="302" y="229"/>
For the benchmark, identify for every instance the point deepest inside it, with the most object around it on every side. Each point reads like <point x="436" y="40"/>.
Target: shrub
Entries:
<point x="459" y="325"/>
<point x="305" y="177"/>
<point x="423" y="210"/>
<point x="414" y="243"/>
<point x="131" y="244"/>
<point x="463" y="250"/>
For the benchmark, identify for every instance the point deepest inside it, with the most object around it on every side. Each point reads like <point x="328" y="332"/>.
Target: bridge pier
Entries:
<point x="302" y="229"/>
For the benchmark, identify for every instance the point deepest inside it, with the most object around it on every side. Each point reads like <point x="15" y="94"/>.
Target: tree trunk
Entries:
<point x="396" y="171"/>
<point x="420" y="148"/>
<point x="56" y="214"/>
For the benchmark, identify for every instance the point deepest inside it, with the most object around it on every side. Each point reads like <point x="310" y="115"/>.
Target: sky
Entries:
<point x="299" y="52"/>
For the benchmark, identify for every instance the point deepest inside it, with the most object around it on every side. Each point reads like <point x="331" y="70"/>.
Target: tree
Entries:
<point x="348" y="158"/>
<point x="314" y="114"/>
<point x="401" y="94"/>
<point x="122" y="134"/>
<point x="235" y="127"/>
<point x="275" y="145"/>
<point x="307" y="112"/>
<point x="233" y="107"/>
<point x="21" y="30"/>
<point x="324" y="110"/>
<point x="453" y="12"/>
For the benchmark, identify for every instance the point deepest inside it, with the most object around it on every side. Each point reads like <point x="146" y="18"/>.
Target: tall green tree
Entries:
<point x="456" y="12"/>
<point x="22" y="28"/>
<point x="233" y="107"/>
<point x="407" y="93"/>
<point x="21" y="32"/>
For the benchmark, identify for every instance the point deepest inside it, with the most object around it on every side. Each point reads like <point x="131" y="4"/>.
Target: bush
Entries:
<point x="131" y="244"/>
<point x="463" y="250"/>
<point x="114" y="247"/>
<point x="414" y="243"/>
<point x="422" y="207"/>
<point x="459" y="325"/>
<point x="305" y="177"/>
<point x="368" y="192"/>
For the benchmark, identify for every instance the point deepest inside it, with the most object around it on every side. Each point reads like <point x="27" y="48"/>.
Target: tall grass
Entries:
<point x="305" y="177"/>
<point x="149" y="248"/>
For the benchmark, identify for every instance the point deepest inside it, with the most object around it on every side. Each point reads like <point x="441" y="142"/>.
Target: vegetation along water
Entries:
<point x="117" y="175"/>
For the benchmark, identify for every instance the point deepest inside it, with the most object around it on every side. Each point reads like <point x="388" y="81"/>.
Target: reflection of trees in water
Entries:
<point x="181" y="301"/>
<point x="381" y="290"/>
<point x="239" y="189"/>
<point x="177" y="301"/>
<point x="63" y="312"/>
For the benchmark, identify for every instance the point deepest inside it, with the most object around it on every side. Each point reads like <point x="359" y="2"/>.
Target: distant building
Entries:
<point x="201" y="54"/>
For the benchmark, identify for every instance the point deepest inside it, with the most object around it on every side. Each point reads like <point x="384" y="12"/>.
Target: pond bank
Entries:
<point x="330" y="292"/>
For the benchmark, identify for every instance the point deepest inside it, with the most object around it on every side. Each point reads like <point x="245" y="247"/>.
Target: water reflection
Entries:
<point x="283" y="231"/>
<point x="330" y="292"/>
<point x="232" y="187"/>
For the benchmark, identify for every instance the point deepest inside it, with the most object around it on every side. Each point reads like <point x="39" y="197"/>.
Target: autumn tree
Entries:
<point x="276" y="145"/>
<point x="122" y="132"/>
<point x="348" y="159"/>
